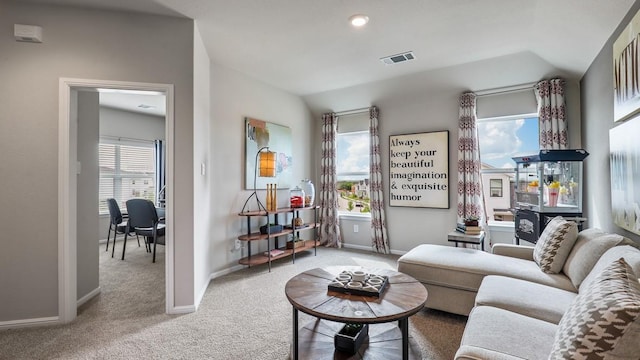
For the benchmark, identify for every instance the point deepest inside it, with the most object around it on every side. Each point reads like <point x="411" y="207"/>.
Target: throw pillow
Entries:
<point x="589" y="247"/>
<point x="603" y="321"/>
<point x="554" y="244"/>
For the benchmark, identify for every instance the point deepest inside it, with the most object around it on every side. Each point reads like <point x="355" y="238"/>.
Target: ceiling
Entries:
<point x="150" y="104"/>
<point x="308" y="46"/>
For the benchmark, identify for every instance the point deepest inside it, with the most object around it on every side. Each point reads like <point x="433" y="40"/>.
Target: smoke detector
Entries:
<point x="394" y="59"/>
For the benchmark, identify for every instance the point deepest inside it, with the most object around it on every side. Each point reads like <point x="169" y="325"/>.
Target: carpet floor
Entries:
<point x="243" y="315"/>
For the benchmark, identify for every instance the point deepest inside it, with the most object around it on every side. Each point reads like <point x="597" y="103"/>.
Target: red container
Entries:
<point x="297" y="201"/>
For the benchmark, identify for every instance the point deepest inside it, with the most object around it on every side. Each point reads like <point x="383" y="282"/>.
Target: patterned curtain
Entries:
<point x="551" y="114"/>
<point x="470" y="199"/>
<point x="379" y="239"/>
<point x="329" y="227"/>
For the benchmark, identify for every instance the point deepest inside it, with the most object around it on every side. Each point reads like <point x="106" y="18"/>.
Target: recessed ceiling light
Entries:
<point x="359" y="20"/>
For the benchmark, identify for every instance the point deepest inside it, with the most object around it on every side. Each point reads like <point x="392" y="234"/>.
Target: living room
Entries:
<point x="211" y="101"/>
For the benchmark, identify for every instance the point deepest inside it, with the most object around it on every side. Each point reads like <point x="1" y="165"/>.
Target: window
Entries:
<point x="126" y="171"/>
<point x="495" y="187"/>
<point x="352" y="170"/>
<point x="500" y="139"/>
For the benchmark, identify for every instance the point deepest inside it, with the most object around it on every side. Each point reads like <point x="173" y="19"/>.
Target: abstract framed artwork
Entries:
<point x="624" y="166"/>
<point x="258" y="134"/>
<point x="419" y="170"/>
<point x="626" y="66"/>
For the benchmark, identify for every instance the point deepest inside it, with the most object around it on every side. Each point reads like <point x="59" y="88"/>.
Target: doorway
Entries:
<point x="68" y="187"/>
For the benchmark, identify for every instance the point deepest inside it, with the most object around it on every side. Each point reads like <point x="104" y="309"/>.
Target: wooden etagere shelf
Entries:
<point x="273" y="238"/>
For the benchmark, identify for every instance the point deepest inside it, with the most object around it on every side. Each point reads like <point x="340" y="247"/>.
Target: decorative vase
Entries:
<point x="272" y="201"/>
<point x="309" y="191"/>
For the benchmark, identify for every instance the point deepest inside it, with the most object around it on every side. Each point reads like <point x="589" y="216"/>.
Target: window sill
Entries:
<point x="504" y="226"/>
<point x="354" y="217"/>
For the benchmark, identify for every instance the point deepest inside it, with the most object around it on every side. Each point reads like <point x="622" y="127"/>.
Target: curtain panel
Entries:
<point x="470" y="200"/>
<point x="159" y="157"/>
<point x="329" y="232"/>
<point x="551" y="114"/>
<point x="379" y="238"/>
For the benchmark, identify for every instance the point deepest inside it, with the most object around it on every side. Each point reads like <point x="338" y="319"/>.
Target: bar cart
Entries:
<point x="547" y="185"/>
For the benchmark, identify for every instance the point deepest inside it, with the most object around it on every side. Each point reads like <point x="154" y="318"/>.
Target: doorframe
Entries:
<point x="67" y="190"/>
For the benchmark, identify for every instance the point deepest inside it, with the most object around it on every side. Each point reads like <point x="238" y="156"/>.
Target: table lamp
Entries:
<point x="266" y="161"/>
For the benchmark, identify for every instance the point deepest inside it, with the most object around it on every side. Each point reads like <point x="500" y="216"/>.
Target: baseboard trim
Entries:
<point x="24" y="323"/>
<point x="187" y="309"/>
<point x="93" y="293"/>
<point x="212" y="276"/>
<point x="226" y="271"/>
<point x="370" y="249"/>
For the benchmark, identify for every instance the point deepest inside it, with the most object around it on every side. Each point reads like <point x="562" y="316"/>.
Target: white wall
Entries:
<point x="202" y="183"/>
<point x="429" y="102"/>
<point x="86" y="44"/>
<point x="234" y="96"/>
<point x="597" y="108"/>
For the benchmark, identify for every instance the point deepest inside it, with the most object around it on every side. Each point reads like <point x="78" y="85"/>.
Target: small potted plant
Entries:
<point x="471" y="221"/>
<point x="350" y="337"/>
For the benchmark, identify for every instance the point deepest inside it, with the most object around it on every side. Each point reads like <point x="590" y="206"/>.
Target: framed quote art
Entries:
<point x="419" y="170"/>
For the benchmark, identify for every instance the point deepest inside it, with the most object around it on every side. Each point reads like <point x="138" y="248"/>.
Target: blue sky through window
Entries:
<point x="500" y="140"/>
<point x="352" y="154"/>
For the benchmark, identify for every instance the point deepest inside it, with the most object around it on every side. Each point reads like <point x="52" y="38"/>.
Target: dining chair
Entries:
<point x="143" y="219"/>
<point x="117" y="222"/>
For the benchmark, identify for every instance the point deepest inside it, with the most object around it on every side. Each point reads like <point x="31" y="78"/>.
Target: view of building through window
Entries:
<point x="499" y="141"/>
<point x="352" y="168"/>
<point x="126" y="172"/>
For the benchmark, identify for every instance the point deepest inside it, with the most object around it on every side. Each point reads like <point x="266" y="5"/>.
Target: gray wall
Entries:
<point x="127" y="124"/>
<point x="88" y="129"/>
<point x="597" y="112"/>
<point x="429" y="102"/>
<point x="78" y="44"/>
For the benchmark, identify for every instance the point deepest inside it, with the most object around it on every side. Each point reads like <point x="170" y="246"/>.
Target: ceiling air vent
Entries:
<point x="394" y="59"/>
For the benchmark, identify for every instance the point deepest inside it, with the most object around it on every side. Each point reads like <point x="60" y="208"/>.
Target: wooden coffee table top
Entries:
<point x="308" y="292"/>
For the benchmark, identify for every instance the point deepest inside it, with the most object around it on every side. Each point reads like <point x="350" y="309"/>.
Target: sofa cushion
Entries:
<point x="554" y="244"/>
<point x="589" y="247"/>
<point x="493" y="333"/>
<point x="604" y="319"/>
<point x="630" y="254"/>
<point x="464" y="269"/>
<point x="524" y="297"/>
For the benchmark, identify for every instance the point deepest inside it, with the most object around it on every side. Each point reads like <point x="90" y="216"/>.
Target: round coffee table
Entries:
<point x="308" y="292"/>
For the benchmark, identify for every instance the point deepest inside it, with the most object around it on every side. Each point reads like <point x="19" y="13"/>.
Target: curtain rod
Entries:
<point x="120" y="138"/>
<point x="506" y="89"/>
<point x="352" y="112"/>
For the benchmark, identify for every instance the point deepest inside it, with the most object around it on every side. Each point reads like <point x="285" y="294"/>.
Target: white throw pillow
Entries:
<point x="554" y="244"/>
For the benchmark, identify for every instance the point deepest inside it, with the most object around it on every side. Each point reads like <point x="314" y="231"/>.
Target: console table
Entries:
<point x="458" y="237"/>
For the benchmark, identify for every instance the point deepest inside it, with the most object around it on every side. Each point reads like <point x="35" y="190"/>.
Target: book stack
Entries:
<point x="468" y="229"/>
<point x="274" y="252"/>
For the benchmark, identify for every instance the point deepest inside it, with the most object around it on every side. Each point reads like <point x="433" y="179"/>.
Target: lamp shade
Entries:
<point x="267" y="164"/>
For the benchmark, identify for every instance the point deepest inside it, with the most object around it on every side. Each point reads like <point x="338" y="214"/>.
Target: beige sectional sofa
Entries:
<point x="516" y="309"/>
